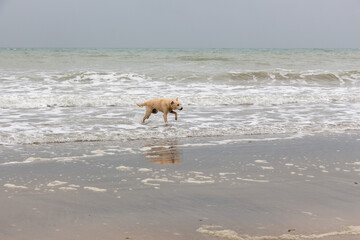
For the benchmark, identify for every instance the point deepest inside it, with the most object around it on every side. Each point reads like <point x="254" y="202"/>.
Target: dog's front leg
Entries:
<point x="175" y="114"/>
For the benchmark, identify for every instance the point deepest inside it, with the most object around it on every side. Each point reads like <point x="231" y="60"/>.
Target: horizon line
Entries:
<point x="186" y="48"/>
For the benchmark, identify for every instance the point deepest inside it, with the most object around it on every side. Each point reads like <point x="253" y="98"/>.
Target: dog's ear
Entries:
<point x="172" y="102"/>
<point x="177" y="99"/>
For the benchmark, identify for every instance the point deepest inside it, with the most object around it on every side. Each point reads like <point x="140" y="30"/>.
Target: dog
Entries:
<point x="163" y="105"/>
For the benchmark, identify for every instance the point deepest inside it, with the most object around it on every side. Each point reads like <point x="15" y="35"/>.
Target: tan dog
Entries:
<point x="163" y="105"/>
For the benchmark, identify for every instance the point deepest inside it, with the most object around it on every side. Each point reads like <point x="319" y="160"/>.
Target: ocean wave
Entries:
<point x="272" y="99"/>
<point x="28" y="102"/>
<point x="267" y="77"/>
<point x="230" y="97"/>
<point x="204" y="59"/>
<point x="88" y="76"/>
<point x="64" y="101"/>
<point x="311" y="76"/>
<point x="201" y="76"/>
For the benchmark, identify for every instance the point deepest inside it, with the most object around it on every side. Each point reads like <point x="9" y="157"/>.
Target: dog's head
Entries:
<point x="176" y="105"/>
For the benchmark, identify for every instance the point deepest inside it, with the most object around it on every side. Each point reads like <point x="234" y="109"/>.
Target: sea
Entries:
<point x="82" y="95"/>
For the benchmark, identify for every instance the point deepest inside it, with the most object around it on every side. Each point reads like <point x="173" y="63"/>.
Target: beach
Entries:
<point x="266" y="146"/>
<point x="195" y="188"/>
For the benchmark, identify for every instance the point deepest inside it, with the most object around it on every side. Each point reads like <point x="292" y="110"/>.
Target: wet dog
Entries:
<point x="163" y="105"/>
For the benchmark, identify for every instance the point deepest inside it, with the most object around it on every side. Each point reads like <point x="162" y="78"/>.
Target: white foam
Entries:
<point x="229" y="234"/>
<point x="13" y="186"/>
<point x="78" y="130"/>
<point x="56" y="183"/>
<point x="267" y="168"/>
<point x="95" y="189"/>
<point x="149" y="181"/>
<point x="40" y="159"/>
<point x="54" y="159"/>
<point x="145" y="149"/>
<point x="124" y="168"/>
<point x="36" y="159"/>
<point x="197" y="181"/>
<point x="252" y="180"/>
<point x="67" y="188"/>
<point x="227" y="173"/>
<point x="98" y="152"/>
<point x="144" y="170"/>
<point x="354" y="163"/>
<point x="261" y="161"/>
<point x="232" y="235"/>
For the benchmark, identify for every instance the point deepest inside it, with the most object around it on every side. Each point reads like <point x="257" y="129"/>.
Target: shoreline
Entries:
<point x="182" y="189"/>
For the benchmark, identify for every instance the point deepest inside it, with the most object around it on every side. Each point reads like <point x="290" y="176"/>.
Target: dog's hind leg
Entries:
<point x="147" y="114"/>
<point x="165" y="118"/>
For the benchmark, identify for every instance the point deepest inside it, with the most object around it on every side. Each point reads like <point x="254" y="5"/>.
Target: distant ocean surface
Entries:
<point x="75" y="95"/>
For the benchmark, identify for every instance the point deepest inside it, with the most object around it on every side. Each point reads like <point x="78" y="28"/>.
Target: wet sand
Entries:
<point x="205" y="188"/>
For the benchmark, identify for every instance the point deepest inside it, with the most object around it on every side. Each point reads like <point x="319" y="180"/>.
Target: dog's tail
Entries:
<point x="141" y="104"/>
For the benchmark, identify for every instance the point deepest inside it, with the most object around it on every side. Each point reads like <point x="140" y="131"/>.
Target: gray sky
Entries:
<point x="180" y="23"/>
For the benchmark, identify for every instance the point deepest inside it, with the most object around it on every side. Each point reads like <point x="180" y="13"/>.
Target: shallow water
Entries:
<point x="70" y="95"/>
<point x="182" y="189"/>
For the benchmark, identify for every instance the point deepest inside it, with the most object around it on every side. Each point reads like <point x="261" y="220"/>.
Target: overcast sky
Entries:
<point x="180" y="23"/>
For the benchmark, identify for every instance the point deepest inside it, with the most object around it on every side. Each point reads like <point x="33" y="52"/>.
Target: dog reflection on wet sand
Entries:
<point x="163" y="154"/>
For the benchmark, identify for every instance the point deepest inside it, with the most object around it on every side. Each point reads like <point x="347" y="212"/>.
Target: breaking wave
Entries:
<point x="265" y="97"/>
<point x="351" y="77"/>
